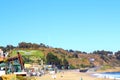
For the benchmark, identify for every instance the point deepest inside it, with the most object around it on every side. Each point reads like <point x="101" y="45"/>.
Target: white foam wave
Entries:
<point x="108" y="76"/>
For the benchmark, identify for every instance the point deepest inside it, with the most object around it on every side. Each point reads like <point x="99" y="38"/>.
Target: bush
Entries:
<point x="72" y="67"/>
<point x="104" y="67"/>
<point x="83" y="66"/>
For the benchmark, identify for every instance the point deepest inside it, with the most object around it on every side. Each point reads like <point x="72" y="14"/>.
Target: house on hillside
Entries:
<point x="2" y="54"/>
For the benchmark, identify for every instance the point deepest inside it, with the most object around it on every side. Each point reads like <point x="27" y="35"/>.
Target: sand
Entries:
<point x="70" y="75"/>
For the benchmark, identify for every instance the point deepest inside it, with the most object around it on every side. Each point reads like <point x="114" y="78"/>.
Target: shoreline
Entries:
<point x="115" y="69"/>
<point x="71" y="75"/>
<point x="104" y="74"/>
<point x="76" y="75"/>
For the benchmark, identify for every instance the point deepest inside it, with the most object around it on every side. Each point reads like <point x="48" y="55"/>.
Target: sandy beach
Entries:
<point x="70" y="75"/>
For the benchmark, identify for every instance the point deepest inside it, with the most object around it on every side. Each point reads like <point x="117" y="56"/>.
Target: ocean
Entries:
<point x="110" y="75"/>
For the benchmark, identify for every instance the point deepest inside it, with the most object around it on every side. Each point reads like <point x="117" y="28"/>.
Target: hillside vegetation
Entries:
<point x="32" y="52"/>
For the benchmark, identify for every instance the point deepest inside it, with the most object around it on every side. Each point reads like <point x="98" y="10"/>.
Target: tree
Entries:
<point x="28" y="45"/>
<point x="9" y="47"/>
<point x="42" y="45"/>
<point x="75" y="55"/>
<point x="35" y="46"/>
<point x="65" y="63"/>
<point x="117" y="54"/>
<point x="52" y="59"/>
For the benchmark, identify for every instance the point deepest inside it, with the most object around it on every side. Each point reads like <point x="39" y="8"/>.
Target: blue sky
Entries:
<point x="84" y="25"/>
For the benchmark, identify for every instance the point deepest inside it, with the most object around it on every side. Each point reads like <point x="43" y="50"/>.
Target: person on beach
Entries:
<point x="62" y="71"/>
<point x="81" y="78"/>
<point x="62" y="74"/>
<point x="54" y="76"/>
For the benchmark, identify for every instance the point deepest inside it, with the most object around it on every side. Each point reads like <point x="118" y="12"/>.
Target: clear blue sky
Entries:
<point x="84" y="25"/>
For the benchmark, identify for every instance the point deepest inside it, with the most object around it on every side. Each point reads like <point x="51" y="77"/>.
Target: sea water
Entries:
<point x="110" y="75"/>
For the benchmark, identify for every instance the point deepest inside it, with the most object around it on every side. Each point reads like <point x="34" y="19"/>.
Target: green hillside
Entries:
<point x="29" y="56"/>
<point x="28" y="53"/>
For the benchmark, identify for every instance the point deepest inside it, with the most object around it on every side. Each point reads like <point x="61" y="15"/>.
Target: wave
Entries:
<point x="110" y="75"/>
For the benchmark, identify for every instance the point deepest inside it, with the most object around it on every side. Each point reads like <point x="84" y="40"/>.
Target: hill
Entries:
<point x="32" y="52"/>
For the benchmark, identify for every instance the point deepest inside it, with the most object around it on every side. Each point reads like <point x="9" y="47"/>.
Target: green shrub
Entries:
<point x="72" y="67"/>
<point x="104" y="67"/>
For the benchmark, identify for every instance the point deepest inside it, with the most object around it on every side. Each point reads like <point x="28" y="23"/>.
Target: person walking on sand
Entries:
<point x="62" y="71"/>
<point x="62" y="74"/>
<point x="81" y="78"/>
<point x="54" y="75"/>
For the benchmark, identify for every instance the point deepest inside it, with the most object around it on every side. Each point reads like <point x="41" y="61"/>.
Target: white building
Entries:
<point x="1" y="53"/>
